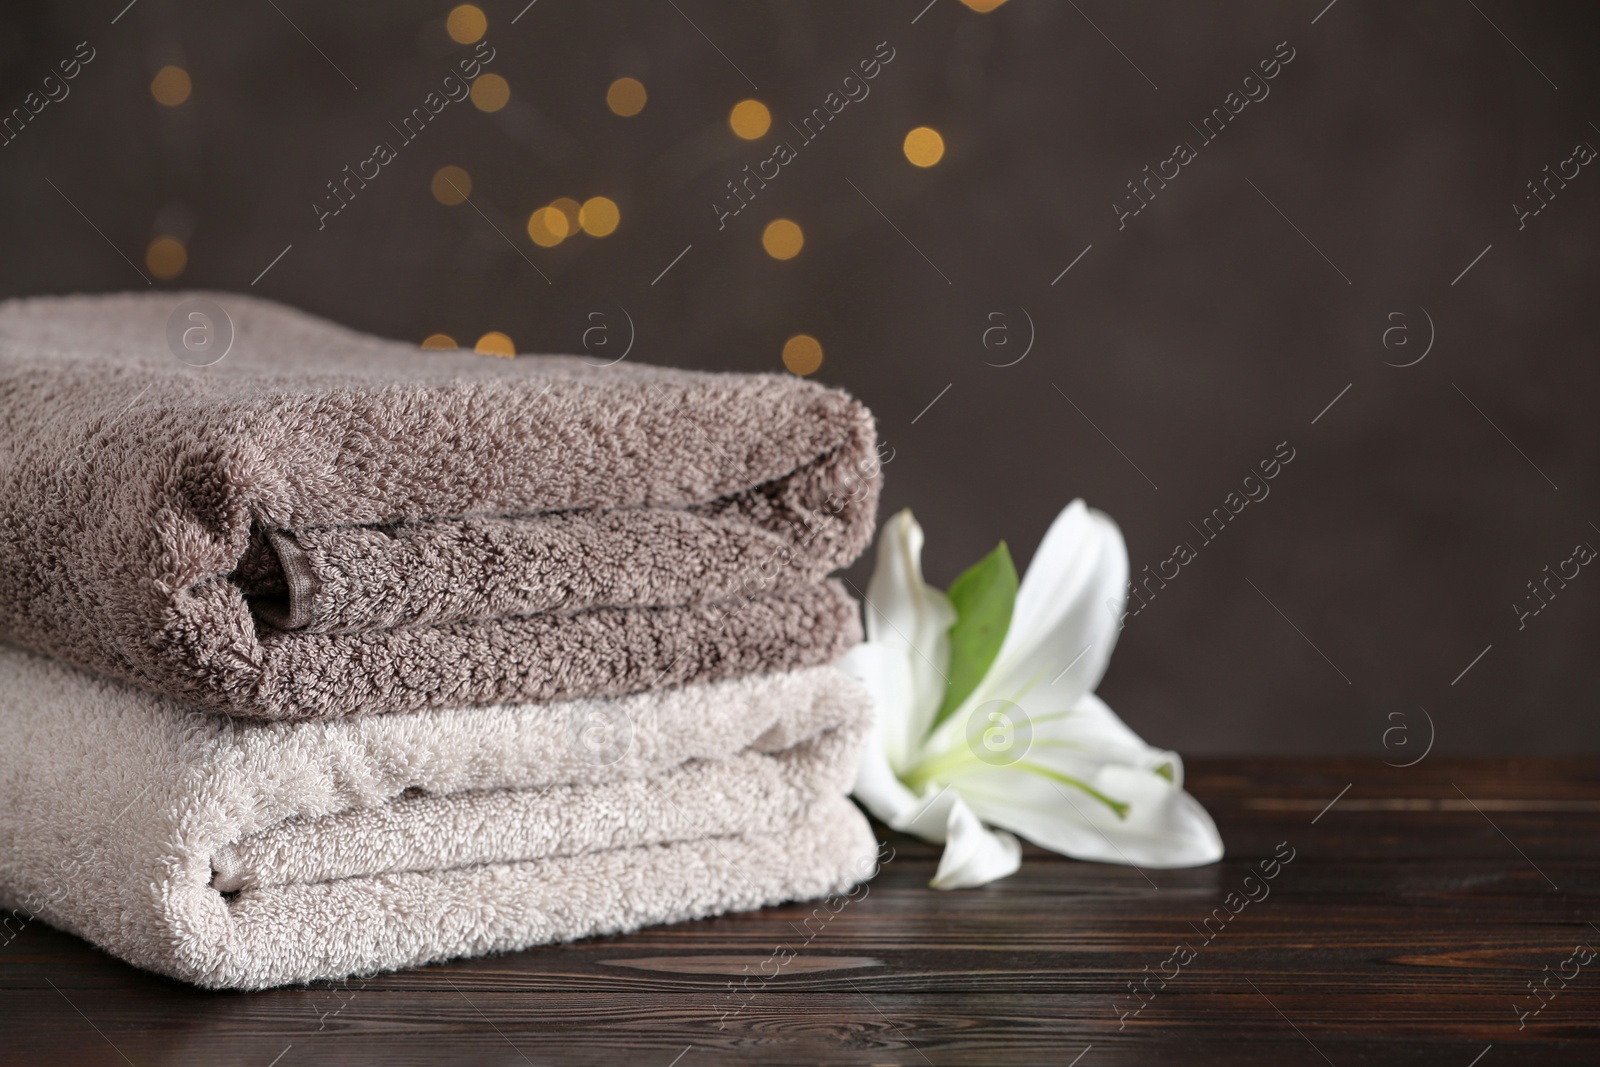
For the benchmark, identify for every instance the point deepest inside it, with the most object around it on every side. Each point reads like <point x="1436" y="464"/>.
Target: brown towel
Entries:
<point x="323" y="523"/>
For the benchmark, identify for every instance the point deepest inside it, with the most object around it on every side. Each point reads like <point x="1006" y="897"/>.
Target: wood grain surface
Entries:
<point x="1408" y="921"/>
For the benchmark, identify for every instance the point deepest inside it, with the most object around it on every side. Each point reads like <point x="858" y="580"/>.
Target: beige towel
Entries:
<point x="323" y="523"/>
<point x="248" y="854"/>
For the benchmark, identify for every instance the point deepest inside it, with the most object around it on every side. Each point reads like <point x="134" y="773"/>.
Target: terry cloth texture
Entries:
<point x="248" y="854"/>
<point x="324" y="523"/>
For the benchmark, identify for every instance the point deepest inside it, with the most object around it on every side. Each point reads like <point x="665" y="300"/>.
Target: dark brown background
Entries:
<point x="1196" y="339"/>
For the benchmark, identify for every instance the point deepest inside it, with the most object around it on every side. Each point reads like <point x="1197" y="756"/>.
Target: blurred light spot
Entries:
<point x="802" y="354"/>
<point x="490" y="93"/>
<point x="439" y="340"/>
<point x="782" y="239"/>
<point x="570" y="208"/>
<point x="548" y="227"/>
<point x="983" y="7"/>
<point x="495" y="343"/>
<point x="750" y="119"/>
<point x="924" y="146"/>
<point x="626" y="96"/>
<point x="451" y="185"/>
<point x="166" y="257"/>
<point x="170" y="86"/>
<point x="599" y="216"/>
<point x="466" y="23"/>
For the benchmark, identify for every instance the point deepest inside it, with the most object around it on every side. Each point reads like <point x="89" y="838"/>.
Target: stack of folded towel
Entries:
<point x="344" y="656"/>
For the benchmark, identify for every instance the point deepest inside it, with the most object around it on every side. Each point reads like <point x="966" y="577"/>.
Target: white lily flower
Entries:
<point x="1031" y="749"/>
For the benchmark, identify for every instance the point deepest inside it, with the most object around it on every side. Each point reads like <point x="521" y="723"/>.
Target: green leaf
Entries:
<point x="983" y="597"/>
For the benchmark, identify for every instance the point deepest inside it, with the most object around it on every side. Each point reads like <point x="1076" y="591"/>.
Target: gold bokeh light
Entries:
<point x="571" y="209"/>
<point x="548" y="227"/>
<point x="802" y="354"/>
<point x="166" y="257"/>
<point x="451" y="185"/>
<point x="599" y="216"/>
<point x="626" y="97"/>
<point x="171" y="86"/>
<point x="495" y="343"/>
<point x="783" y="239"/>
<point x="439" y="340"/>
<point x="924" y="146"/>
<point x="490" y="92"/>
<point x="750" y="119"/>
<point x="466" y="23"/>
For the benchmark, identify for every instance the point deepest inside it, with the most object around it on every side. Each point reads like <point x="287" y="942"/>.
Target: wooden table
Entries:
<point x="1415" y="907"/>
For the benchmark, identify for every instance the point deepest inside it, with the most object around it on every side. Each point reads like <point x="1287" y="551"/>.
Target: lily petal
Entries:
<point x="1087" y="787"/>
<point x="878" y="788"/>
<point x="1067" y="616"/>
<point x="926" y="816"/>
<point x="885" y="673"/>
<point x="905" y="614"/>
<point x="973" y="855"/>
